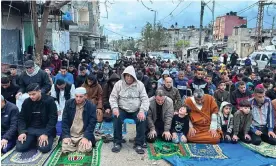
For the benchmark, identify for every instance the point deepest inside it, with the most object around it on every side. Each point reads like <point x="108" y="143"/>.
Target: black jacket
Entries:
<point x="67" y="92"/>
<point x="80" y="80"/>
<point x="199" y="84"/>
<point x="271" y="93"/>
<point x="10" y="93"/>
<point x="41" y="78"/>
<point x="236" y="97"/>
<point x="107" y="89"/>
<point x="15" y="80"/>
<point x="9" y="115"/>
<point x="49" y="115"/>
<point x="89" y="119"/>
<point x="147" y="82"/>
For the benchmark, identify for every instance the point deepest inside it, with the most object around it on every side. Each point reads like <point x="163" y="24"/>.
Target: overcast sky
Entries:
<point x="127" y="18"/>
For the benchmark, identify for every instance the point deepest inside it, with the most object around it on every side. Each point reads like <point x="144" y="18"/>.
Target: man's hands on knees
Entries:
<point x="43" y="140"/>
<point x="22" y="137"/>
<point x="84" y="143"/>
<point x="152" y="134"/>
<point x="271" y="134"/>
<point x="213" y="132"/>
<point x="174" y="135"/>
<point x="4" y="143"/>
<point x="167" y="135"/>
<point x="192" y="132"/>
<point x="116" y="112"/>
<point x="66" y="141"/>
<point x="141" y="116"/>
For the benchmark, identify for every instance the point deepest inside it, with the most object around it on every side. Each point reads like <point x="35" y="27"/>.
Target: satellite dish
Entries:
<point x="273" y="41"/>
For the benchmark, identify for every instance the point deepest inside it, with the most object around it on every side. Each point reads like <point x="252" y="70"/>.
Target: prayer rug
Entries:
<point x="73" y="159"/>
<point x="206" y="151"/>
<point x="107" y="128"/>
<point x="32" y="157"/>
<point x="160" y="149"/>
<point x="264" y="149"/>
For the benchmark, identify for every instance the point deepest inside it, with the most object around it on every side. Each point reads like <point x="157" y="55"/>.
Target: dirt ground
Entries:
<point x="127" y="156"/>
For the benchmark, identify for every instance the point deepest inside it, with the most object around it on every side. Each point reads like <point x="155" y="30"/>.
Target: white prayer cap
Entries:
<point x="80" y="91"/>
<point x="2" y="97"/>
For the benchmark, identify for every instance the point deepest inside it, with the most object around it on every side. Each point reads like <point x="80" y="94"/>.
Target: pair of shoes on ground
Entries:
<point x="117" y="148"/>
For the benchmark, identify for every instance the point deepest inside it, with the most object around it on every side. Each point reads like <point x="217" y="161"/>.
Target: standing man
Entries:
<point x="129" y="99"/>
<point x="34" y="74"/>
<point x="78" y="123"/>
<point x="263" y="119"/>
<point x="37" y="121"/>
<point x="233" y="59"/>
<point x="9" y="115"/>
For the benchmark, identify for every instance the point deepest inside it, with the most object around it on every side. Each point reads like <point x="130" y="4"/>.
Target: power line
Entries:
<point x="119" y="34"/>
<point x="181" y="11"/>
<point x="172" y="10"/>
<point x="247" y="8"/>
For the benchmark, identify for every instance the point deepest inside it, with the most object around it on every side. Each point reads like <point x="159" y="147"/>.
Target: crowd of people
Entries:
<point x="173" y="101"/>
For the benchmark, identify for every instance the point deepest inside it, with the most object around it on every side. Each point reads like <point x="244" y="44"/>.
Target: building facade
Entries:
<point x="224" y="25"/>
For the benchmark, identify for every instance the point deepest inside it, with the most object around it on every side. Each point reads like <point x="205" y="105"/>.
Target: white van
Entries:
<point x="261" y="58"/>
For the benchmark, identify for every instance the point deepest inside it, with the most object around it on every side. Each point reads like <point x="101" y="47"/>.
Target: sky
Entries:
<point x="126" y="18"/>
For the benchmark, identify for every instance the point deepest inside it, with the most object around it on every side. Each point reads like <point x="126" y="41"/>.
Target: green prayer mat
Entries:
<point x="160" y="149"/>
<point x="264" y="149"/>
<point x="76" y="159"/>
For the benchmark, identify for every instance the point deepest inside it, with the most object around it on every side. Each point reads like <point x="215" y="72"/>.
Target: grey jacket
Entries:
<point x="221" y="121"/>
<point x="167" y="109"/>
<point x="242" y="122"/>
<point x="174" y="95"/>
<point x="131" y="98"/>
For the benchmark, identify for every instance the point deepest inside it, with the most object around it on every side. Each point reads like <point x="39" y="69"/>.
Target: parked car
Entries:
<point x="111" y="57"/>
<point x="168" y="56"/>
<point x="129" y="54"/>
<point x="155" y="54"/>
<point x="261" y="58"/>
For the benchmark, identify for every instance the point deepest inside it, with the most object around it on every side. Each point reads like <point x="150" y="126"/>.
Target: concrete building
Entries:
<point x="224" y="25"/>
<point x="189" y="34"/>
<point x="243" y="40"/>
<point x="86" y="30"/>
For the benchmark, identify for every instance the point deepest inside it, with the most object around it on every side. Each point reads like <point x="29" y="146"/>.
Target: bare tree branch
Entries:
<point x="145" y="5"/>
<point x="59" y="5"/>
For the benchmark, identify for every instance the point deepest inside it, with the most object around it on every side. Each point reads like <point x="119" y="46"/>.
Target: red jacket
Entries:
<point x="57" y="64"/>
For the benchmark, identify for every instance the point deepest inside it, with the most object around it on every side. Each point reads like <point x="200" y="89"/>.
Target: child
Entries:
<point x="180" y="125"/>
<point x="181" y="84"/>
<point x="211" y="86"/>
<point x="221" y="94"/>
<point x="225" y="121"/>
<point x="242" y="122"/>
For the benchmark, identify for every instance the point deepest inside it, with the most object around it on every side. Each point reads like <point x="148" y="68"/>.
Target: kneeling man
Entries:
<point x="37" y="121"/>
<point x="203" y="116"/>
<point x="78" y="123"/>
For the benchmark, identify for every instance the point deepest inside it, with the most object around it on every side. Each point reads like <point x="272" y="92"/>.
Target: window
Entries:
<point x="264" y="57"/>
<point x="258" y="56"/>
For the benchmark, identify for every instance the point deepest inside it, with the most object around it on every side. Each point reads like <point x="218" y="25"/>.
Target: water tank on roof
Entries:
<point x="235" y="13"/>
<point x="227" y="14"/>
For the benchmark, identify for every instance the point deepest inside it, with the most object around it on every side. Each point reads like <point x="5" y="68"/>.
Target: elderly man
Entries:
<point x="203" y="116"/>
<point x="263" y="118"/>
<point x="33" y="74"/>
<point x="9" y="115"/>
<point x="78" y="123"/>
<point x="159" y="117"/>
<point x="172" y="93"/>
<point x="129" y="99"/>
<point x="37" y="121"/>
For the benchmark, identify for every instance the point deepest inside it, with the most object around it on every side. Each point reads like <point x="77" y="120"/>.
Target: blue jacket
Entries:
<point x="89" y="119"/>
<point x="263" y="116"/>
<point x="181" y="85"/>
<point x="212" y="88"/>
<point x="69" y="78"/>
<point x="9" y="118"/>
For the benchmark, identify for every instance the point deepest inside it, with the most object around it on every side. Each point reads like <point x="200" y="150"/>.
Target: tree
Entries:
<point x="182" y="43"/>
<point x="39" y="32"/>
<point x="152" y="38"/>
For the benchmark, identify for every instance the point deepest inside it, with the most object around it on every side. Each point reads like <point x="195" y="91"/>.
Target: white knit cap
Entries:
<point x="80" y="91"/>
<point x="2" y="97"/>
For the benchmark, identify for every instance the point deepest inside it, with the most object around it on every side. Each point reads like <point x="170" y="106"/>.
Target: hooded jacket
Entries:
<point x="130" y="98"/>
<point x="108" y="89"/>
<point x="94" y="91"/>
<point x="161" y="80"/>
<point x="221" y="122"/>
<point x="221" y="96"/>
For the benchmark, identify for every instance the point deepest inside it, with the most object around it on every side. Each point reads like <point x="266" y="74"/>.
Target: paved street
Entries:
<point x="127" y="156"/>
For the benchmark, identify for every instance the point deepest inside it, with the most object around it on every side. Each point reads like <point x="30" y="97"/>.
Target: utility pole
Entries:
<point x="201" y="21"/>
<point x="213" y="21"/>
<point x="154" y="21"/>
<point x="272" y="28"/>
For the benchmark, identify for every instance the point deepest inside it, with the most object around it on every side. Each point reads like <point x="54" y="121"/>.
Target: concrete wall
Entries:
<point x="231" y="22"/>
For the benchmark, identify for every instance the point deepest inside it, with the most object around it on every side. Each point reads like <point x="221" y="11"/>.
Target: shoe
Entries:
<point x="139" y="149"/>
<point x="116" y="148"/>
<point x="144" y="145"/>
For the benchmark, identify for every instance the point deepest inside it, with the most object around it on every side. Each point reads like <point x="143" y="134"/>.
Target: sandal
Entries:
<point x="107" y="138"/>
<point x="139" y="149"/>
<point x="116" y="148"/>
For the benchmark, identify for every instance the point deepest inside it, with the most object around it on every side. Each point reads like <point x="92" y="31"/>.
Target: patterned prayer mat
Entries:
<point x="76" y="159"/>
<point x="204" y="151"/>
<point x="264" y="149"/>
<point x="107" y="128"/>
<point x="160" y="149"/>
<point x="31" y="158"/>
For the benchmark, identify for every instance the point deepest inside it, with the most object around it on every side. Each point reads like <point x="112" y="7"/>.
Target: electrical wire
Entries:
<point x="181" y="11"/>
<point x="247" y="8"/>
<point x="119" y="33"/>
<point x="172" y="11"/>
